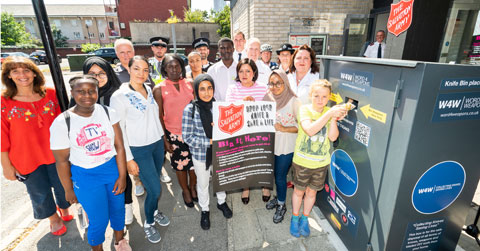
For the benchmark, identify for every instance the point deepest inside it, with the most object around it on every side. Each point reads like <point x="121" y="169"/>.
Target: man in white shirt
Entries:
<point x="376" y="50"/>
<point x="239" y="42"/>
<point x="159" y="49"/>
<point x="223" y="72"/>
<point x="253" y="53"/>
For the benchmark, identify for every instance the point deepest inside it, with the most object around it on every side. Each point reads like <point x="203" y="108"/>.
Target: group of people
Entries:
<point x="125" y="120"/>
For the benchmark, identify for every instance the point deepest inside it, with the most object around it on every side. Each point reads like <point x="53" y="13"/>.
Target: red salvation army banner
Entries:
<point x="243" y="142"/>
<point x="400" y="17"/>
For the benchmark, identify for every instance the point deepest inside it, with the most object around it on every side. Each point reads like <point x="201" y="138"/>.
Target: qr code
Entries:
<point x="362" y="133"/>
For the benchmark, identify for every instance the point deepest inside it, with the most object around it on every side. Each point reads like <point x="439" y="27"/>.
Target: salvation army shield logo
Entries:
<point x="230" y="118"/>
<point x="400" y="17"/>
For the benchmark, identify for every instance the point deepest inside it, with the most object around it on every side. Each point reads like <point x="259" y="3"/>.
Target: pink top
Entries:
<point x="237" y="92"/>
<point x="174" y="102"/>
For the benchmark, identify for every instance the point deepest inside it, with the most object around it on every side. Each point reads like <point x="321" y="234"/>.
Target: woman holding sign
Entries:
<point x="197" y="133"/>
<point x="247" y="89"/>
<point x="285" y="136"/>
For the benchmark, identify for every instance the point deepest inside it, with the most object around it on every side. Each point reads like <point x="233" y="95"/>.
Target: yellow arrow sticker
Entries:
<point x="336" y="98"/>
<point x="374" y="113"/>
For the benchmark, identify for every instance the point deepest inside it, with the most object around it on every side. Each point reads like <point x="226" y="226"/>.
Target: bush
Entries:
<point x="88" y="47"/>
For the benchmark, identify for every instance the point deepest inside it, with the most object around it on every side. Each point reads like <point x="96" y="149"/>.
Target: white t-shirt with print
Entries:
<point x="91" y="139"/>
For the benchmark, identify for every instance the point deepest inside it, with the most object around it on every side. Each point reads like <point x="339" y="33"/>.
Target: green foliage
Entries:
<point x="222" y="18"/>
<point x="88" y="47"/>
<point x="14" y="33"/>
<point x="196" y="16"/>
<point x="60" y="39"/>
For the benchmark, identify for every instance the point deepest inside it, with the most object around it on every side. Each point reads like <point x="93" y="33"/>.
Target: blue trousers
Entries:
<point x="282" y="165"/>
<point x="39" y="187"/>
<point x="149" y="159"/>
<point x="93" y="188"/>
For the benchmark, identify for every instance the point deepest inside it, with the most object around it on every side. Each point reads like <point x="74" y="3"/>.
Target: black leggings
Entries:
<point x="128" y="191"/>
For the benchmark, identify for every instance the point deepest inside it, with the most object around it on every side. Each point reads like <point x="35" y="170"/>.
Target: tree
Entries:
<point x="196" y="16"/>
<point x="173" y="18"/>
<point x="60" y="39"/>
<point x="13" y="32"/>
<point x="222" y="18"/>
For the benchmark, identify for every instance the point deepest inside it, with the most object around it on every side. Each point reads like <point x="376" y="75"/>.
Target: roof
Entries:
<point x="56" y="10"/>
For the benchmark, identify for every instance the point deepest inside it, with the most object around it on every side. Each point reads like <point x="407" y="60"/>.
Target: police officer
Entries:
<point x="284" y="56"/>
<point x="159" y="48"/>
<point x="376" y="49"/>
<point x="202" y="45"/>
<point x="266" y="56"/>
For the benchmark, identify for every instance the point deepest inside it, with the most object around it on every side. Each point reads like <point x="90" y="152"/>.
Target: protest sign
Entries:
<point x="243" y="142"/>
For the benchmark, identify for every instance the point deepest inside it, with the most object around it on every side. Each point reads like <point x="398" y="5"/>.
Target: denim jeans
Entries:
<point x="39" y="187"/>
<point x="149" y="159"/>
<point x="282" y="165"/>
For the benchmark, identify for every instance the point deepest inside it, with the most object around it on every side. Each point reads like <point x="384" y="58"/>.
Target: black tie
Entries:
<point x="239" y="56"/>
<point x="379" y="53"/>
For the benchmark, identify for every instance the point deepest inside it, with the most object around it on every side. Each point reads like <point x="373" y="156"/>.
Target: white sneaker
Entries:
<point x="128" y="214"/>
<point x="139" y="190"/>
<point x="165" y="178"/>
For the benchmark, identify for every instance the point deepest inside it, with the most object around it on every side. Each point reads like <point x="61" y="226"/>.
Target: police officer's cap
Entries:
<point x="286" y="47"/>
<point x="199" y="42"/>
<point x="159" y="41"/>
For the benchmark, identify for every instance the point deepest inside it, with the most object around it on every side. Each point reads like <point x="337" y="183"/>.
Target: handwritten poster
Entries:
<point x="243" y="142"/>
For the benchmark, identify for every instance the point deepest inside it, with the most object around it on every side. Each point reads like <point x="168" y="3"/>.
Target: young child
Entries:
<point x="318" y="127"/>
<point x="87" y="144"/>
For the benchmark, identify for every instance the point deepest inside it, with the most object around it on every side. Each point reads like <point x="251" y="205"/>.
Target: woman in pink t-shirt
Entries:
<point x="172" y="95"/>
<point x="247" y="89"/>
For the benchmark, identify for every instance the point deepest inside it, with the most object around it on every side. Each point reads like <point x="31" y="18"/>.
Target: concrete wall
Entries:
<point x="273" y="20"/>
<point x="142" y="32"/>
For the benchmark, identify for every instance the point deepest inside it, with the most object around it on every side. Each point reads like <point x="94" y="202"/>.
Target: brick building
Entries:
<point x="145" y="10"/>
<point x="319" y="23"/>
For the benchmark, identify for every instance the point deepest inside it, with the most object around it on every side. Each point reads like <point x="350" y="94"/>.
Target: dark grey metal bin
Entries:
<point x="408" y="158"/>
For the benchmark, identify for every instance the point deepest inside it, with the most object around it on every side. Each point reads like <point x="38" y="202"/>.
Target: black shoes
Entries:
<point x="272" y="204"/>
<point x="188" y="204"/>
<point x="279" y="213"/>
<point x="245" y="200"/>
<point x="227" y="213"/>
<point x="205" y="220"/>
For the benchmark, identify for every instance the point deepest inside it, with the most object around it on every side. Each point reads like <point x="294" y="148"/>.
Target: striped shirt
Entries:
<point x="237" y="92"/>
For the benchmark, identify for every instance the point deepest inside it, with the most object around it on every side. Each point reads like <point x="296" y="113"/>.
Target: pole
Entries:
<point x="50" y="50"/>
<point x="174" y="39"/>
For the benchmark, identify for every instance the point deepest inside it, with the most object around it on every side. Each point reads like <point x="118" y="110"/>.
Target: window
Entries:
<point x="77" y="35"/>
<point x="30" y="22"/>
<point x="101" y="35"/>
<point x="88" y="23"/>
<point x="205" y="35"/>
<point x="122" y="26"/>
<point x="74" y="22"/>
<point x="111" y="26"/>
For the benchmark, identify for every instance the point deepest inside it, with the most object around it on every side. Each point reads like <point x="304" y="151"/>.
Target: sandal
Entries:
<point x="59" y="232"/>
<point x="64" y="217"/>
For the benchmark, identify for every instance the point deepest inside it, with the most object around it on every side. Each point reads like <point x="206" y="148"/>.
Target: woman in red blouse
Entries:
<point x="28" y="110"/>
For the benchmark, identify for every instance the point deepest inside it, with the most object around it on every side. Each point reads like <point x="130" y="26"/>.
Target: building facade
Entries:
<point x="91" y="23"/>
<point x="147" y="11"/>
<point x="318" y="23"/>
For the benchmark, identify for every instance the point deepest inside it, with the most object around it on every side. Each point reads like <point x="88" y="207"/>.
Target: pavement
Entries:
<point x="250" y="228"/>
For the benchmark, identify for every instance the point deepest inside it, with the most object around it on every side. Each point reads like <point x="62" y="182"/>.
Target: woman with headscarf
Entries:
<point x="286" y="133"/>
<point x="197" y="133"/>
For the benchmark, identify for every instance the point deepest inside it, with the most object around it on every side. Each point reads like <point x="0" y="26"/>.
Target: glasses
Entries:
<point x="101" y="75"/>
<point x="277" y="85"/>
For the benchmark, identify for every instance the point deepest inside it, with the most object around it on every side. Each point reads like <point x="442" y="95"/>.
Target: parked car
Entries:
<point x="107" y="54"/>
<point x="42" y="56"/>
<point x="20" y="54"/>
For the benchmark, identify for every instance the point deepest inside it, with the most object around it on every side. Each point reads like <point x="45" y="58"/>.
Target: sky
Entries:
<point x="196" y="4"/>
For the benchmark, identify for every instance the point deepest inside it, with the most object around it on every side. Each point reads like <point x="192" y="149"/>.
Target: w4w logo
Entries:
<point x="442" y="104"/>
<point x="425" y="190"/>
